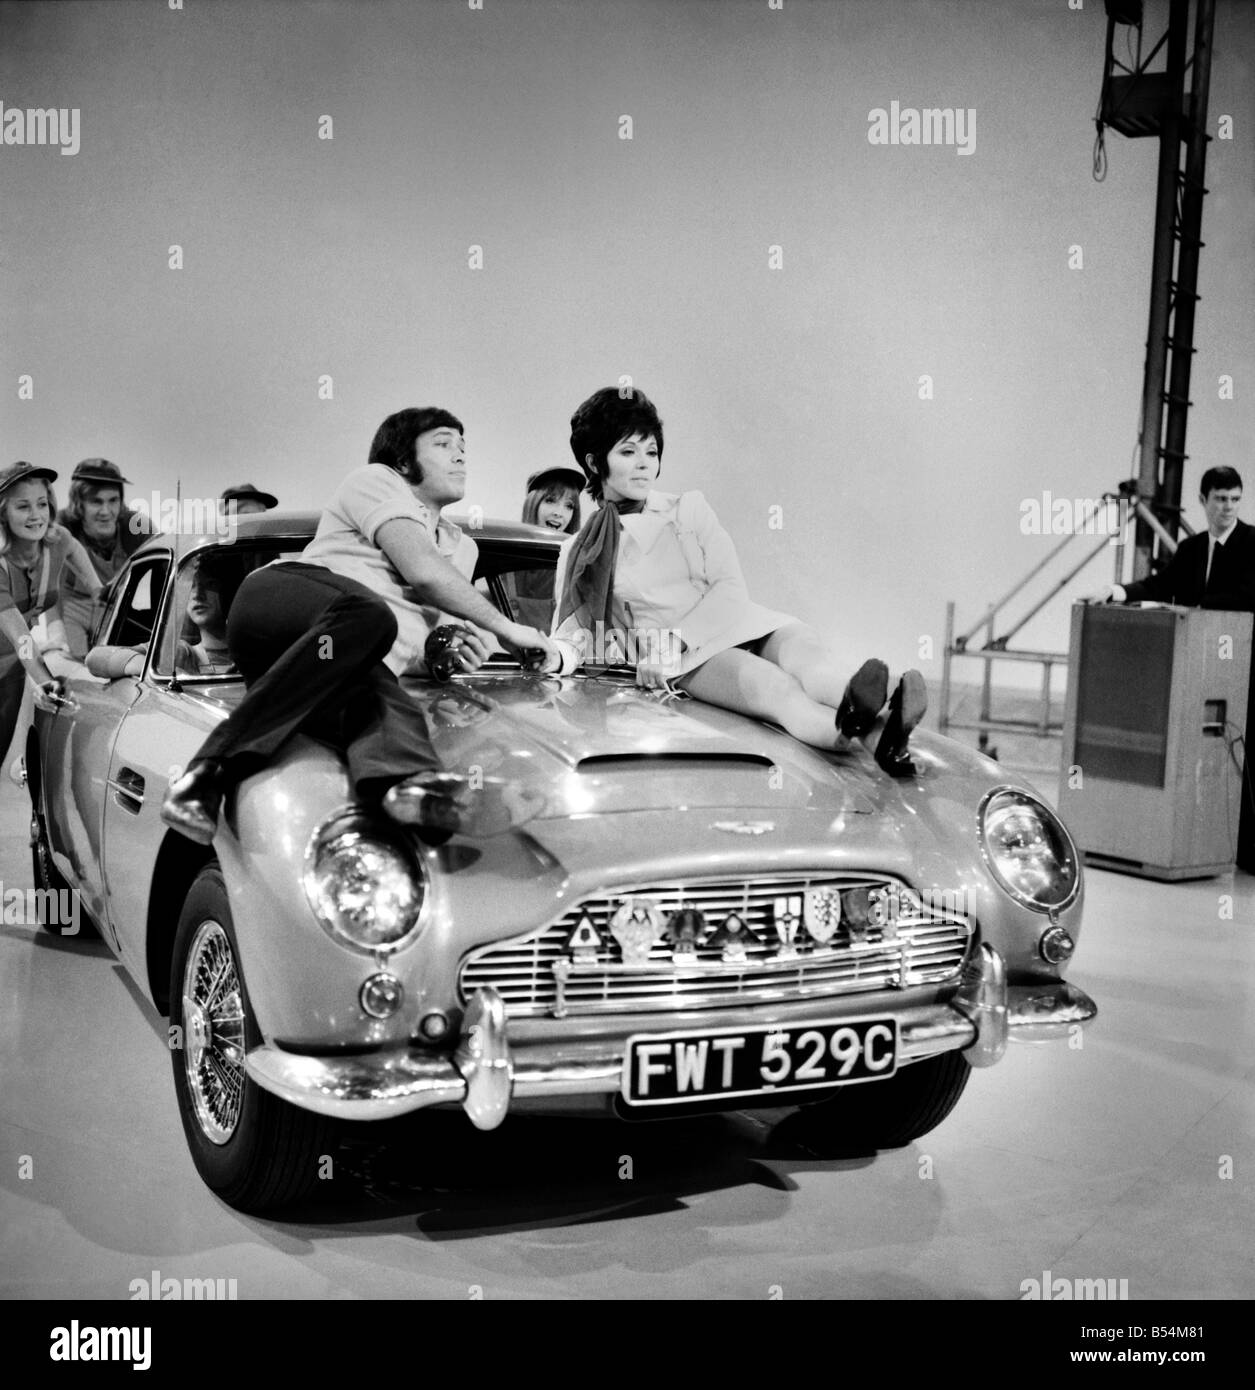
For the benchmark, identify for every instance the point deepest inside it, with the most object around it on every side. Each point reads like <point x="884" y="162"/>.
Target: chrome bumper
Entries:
<point x="485" y="1072"/>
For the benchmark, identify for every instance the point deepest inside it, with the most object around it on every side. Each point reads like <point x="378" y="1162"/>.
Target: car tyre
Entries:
<point x="252" y="1149"/>
<point x="47" y="878"/>
<point x="886" y="1114"/>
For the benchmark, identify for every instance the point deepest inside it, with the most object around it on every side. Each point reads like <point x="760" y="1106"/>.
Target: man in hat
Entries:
<point x="109" y="531"/>
<point x="244" y="498"/>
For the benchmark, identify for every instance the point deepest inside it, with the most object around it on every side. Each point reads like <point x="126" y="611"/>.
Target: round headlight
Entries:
<point x="1028" y="850"/>
<point x="366" y="889"/>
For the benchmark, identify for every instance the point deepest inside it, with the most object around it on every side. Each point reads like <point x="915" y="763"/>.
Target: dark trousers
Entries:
<point x="1246" y="819"/>
<point x="310" y="645"/>
<point x="12" y="688"/>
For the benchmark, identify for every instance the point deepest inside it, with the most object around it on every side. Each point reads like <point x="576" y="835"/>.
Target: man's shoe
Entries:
<point x="864" y="698"/>
<point x="431" y="802"/>
<point x="906" y="708"/>
<point x="440" y="804"/>
<point x="192" y="802"/>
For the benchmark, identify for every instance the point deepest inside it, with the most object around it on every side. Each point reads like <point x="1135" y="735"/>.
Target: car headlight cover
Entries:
<point x="1028" y="850"/>
<point x="366" y="888"/>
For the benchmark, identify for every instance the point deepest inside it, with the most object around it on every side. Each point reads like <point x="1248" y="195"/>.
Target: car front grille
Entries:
<point x="924" y="944"/>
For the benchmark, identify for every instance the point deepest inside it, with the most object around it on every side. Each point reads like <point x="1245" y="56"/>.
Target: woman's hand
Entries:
<point x="653" y="674"/>
<point x="50" y="695"/>
<point x="658" y="666"/>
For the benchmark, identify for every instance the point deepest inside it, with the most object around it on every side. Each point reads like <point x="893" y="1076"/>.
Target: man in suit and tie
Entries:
<point x="1213" y="569"/>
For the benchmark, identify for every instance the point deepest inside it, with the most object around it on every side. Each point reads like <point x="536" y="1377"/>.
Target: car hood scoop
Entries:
<point x="594" y="745"/>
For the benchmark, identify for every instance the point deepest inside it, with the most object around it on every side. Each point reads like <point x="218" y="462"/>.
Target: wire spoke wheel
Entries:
<point x="254" y="1150"/>
<point x="213" y="1021"/>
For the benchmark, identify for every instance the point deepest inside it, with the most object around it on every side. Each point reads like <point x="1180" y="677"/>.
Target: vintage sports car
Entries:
<point x="682" y="909"/>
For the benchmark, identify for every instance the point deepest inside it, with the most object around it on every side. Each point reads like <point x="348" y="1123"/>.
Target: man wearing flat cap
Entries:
<point x="108" y="530"/>
<point x="245" y="498"/>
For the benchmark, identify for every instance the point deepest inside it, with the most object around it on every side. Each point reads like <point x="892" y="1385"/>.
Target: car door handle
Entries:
<point x="128" y="790"/>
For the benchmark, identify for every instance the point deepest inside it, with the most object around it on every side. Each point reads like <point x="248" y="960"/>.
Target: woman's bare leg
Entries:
<point x="738" y="680"/>
<point x="800" y="651"/>
<point x="803" y="653"/>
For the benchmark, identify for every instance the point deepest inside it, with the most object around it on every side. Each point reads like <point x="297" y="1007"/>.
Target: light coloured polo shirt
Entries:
<point x="345" y="542"/>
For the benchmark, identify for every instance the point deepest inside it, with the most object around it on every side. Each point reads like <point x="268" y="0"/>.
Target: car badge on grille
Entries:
<point x="882" y="910"/>
<point x="854" y="909"/>
<point x="821" y="912"/>
<point x="734" y="934"/>
<point x="636" y="926"/>
<point x="685" y="928"/>
<point x="787" y="918"/>
<point x="585" y="941"/>
<point x="744" y="827"/>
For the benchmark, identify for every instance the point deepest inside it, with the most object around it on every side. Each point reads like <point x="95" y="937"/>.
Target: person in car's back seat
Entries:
<point x="202" y="648"/>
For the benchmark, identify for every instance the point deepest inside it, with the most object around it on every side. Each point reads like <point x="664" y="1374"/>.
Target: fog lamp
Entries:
<point x="381" y="995"/>
<point x="1056" y="945"/>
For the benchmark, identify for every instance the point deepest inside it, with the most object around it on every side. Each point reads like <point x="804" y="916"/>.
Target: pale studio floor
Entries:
<point x="1103" y="1162"/>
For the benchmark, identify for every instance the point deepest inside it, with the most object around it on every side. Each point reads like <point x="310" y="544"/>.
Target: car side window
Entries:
<point x="192" y="640"/>
<point x="132" y="620"/>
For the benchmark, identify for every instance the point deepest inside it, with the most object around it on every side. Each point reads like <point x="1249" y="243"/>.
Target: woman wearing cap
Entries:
<point x="320" y="639"/>
<point x="657" y="565"/>
<point x="552" y="501"/>
<point x="35" y="552"/>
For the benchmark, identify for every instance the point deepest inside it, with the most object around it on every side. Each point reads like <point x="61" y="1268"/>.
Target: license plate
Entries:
<point x="670" y="1068"/>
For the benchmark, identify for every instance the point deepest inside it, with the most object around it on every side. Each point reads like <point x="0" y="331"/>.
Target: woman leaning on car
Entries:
<point x="321" y="639"/>
<point x="651" y="563"/>
<point x="34" y="553"/>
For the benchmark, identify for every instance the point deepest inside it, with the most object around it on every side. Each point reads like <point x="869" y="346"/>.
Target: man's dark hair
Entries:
<point x="1222" y="478"/>
<point x="396" y="441"/>
<point x="605" y="418"/>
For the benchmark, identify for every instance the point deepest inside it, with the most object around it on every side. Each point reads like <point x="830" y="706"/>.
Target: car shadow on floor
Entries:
<point x="85" y="942"/>
<point x="455" y="1182"/>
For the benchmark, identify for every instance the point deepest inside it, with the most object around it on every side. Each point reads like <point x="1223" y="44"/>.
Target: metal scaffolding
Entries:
<point x="1139" y="102"/>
